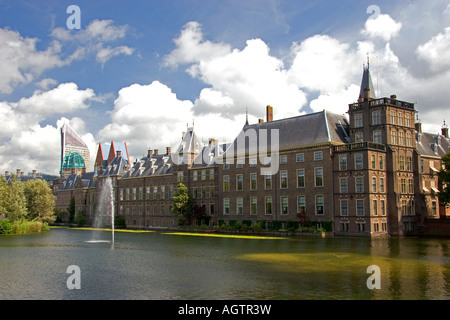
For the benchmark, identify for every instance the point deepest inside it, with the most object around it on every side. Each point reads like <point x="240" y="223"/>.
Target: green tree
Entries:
<point x="444" y="176"/>
<point x="15" y="204"/>
<point x="183" y="204"/>
<point x="40" y="201"/>
<point x="4" y="195"/>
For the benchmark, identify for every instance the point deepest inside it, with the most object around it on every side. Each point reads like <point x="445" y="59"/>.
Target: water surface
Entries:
<point x="163" y="265"/>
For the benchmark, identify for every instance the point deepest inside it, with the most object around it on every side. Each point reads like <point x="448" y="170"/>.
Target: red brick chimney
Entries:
<point x="269" y="113"/>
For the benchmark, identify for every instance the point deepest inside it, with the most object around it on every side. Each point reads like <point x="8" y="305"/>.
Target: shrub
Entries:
<point x="6" y="226"/>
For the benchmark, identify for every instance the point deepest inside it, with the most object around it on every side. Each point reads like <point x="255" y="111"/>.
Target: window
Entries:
<point x="409" y="163"/>
<point x="141" y="193"/>
<point x="239" y="182"/>
<point x="358" y="120"/>
<point x="359" y="137"/>
<point x="194" y="193"/>
<point x="358" y="161"/>
<point x="393" y="137"/>
<point x="359" y="181"/>
<point x="134" y="193"/>
<point x="252" y="163"/>
<point x="376" y="227"/>
<point x="382" y="185"/>
<point x="180" y="176"/>
<point x="268" y="205"/>
<point x="226" y="183"/>
<point x="404" y="207"/>
<point x="359" y="207"/>
<point x="374" y="184"/>
<point x="408" y="119"/>
<point x="195" y="175"/>
<point x="253" y="205"/>
<point x="163" y="192"/>
<point x="203" y="175"/>
<point x="155" y="192"/>
<point x="226" y="206"/>
<point x="301" y="204"/>
<point x="421" y="166"/>
<point x="319" y="205"/>
<point x="203" y="190"/>
<point x="300" y="178"/>
<point x="318" y="155"/>
<point x="211" y="174"/>
<point x="381" y="158"/>
<point x="283" y="159"/>
<point x="268" y="182"/>
<point x="239" y="205"/>
<point x="408" y="139"/>
<point x="377" y="136"/>
<point x="410" y="186"/>
<point x="212" y="192"/>
<point x="318" y="177"/>
<point x="284" y="205"/>
<point x="376" y="118"/>
<point x="344" y="226"/>
<point x="283" y="179"/>
<point x="401" y="140"/>
<point x="121" y="194"/>
<point x="403" y="185"/>
<point x="343" y="185"/>
<point x="147" y="193"/>
<point x="342" y="163"/>
<point x="400" y="118"/>
<point x="392" y="117"/>
<point x="374" y="161"/>
<point x="401" y="163"/>
<point x="433" y="208"/>
<point x="239" y="164"/>
<point x="344" y="207"/>
<point x="300" y="157"/>
<point x="252" y="181"/>
<point x="383" y="207"/>
<point x="375" y="207"/>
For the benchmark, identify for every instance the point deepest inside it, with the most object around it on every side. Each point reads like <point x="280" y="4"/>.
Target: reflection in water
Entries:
<point x="167" y="266"/>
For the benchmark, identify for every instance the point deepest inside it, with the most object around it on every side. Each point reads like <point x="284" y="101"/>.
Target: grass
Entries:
<point x="222" y="235"/>
<point x="107" y="229"/>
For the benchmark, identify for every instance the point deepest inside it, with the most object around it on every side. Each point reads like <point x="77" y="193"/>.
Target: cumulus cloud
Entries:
<point x="145" y="115"/>
<point x="436" y="52"/>
<point x="20" y="60"/>
<point x="29" y="144"/>
<point x="383" y="27"/>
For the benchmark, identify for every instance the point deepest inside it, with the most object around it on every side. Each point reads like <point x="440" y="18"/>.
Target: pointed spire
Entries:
<point x="366" y="84"/>
<point x="246" y="116"/>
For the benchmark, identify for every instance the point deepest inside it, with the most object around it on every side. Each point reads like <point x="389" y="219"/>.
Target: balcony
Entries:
<point x="359" y="146"/>
<point x="382" y="101"/>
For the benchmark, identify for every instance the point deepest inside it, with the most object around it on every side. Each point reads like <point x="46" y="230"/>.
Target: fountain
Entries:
<point x="105" y="209"/>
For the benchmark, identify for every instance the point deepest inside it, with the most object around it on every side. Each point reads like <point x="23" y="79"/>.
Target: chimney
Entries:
<point x="18" y="172"/>
<point x="156" y="152"/>
<point x="6" y="173"/>
<point x="34" y="174"/>
<point x="168" y="149"/>
<point x="269" y="113"/>
<point x="119" y="153"/>
<point x="419" y="127"/>
<point x="149" y="153"/>
<point x="444" y="130"/>
<point x="260" y="120"/>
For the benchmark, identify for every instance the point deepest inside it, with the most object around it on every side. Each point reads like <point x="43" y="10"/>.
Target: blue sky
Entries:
<point x="138" y="71"/>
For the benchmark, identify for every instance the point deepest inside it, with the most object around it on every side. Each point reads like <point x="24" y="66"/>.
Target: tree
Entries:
<point x="444" y="177"/>
<point x="183" y="204"/>
<point x="15" y="203"/>
<point x="39" y="201"/>
<point x="71" y="209"/>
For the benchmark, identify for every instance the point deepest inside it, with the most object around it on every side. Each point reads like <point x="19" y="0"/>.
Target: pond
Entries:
<point x="167" y="265"/>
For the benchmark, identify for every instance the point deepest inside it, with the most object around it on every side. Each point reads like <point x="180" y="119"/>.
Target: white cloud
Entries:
<point x="436" y="52"/>
<point x="147" y="116"/>
<point x="20" y="60"/>
<point x="93" y="38"/>
<point x="28" y="145"/>
<point x="383" y="27"/>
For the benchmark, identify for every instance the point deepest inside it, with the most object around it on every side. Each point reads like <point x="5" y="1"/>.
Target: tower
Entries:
<point x="75" y="156"/>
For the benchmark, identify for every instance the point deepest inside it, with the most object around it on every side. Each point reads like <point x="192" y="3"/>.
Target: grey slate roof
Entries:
<point x="156" y="165"/>
<point x="310" y="129"/>
<point x="74" y="181"/>
<point x="208" y="155"/>
<point x="366" y="83"/>
<point x="432" y="145"/>
<point x="116" y="167"/>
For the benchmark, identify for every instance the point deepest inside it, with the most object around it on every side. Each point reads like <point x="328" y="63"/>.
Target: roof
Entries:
<point x="304" y="130"/>
<point x="74" y="181"/>
<point x="208" y="155"/>
<point x="432" y="145"/>
<point x="153" y="166"/>
<point x="116" y="167"/>
<point x="73" y="160"/>
<point x="366" y="83"/>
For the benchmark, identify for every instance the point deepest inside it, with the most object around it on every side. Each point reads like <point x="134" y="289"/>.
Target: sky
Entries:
<point x="141" y="72"/>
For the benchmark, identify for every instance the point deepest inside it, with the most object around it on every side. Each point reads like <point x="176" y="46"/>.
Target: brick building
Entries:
<point x="371" y="173"/>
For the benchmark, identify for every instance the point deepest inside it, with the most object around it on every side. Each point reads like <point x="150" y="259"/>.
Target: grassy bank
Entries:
<point x="22" y="226"/>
